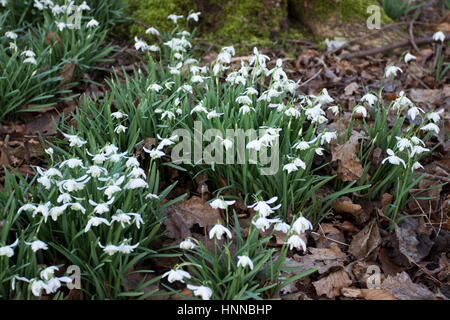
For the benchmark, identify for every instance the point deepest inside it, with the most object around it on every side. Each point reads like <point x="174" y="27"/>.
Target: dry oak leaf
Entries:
<point x="332" y="284"/>
<point x="345" y="205"/>
<point x="368" y="294"/>
<point x="349" y="165"/>
<point x="324" y="259"/>
<point x="181" y="217"/>
<point x="365" y="241"/>
<point x="402" y="287"/>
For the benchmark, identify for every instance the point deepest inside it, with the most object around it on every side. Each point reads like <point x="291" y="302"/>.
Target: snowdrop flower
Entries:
<point x="201" y="291"/>
<point x="417" y="141"/>
<point x="221" y="204"/>
<point x="174" y="18"/>
<point x="393" y="159"/>
<point x="244" y="100"/>
<point x="151" y="196"/>
<point x="77" y="207"/>
<point x="328" y="137"/>
<point x="292" y="112"/>
<point x="27" y="208"/>
<point x="95" y="171"/>
<point x="4" y="3"/>
<point x="49" y="151"/>
<point x="110" y="190"/>
<point x="263" y="208"/>
<point x="74" y="140"/>
<point x="370" y="99"/>
<point x="11" y="35"/>
<point x="301" y="225"/>
<point x="122" y="218"/>
<point x="83" y="7"/>
<point x="296" y="242"/>
<point x="301" y="145"/>
<point x="316" y="114"/>
<point x="37" y="245"/>
<point x="360" y="110"/>
<point x="28" y="53"/>
<point x="43" y="209"/>
<point x="245" y="109"/>
<point x="127" y="248"/>
<point x="418" y="150"/>
<point x="334" y="110"/>
<point x="324" y="97"/>
<point x="213" y="114"/>
<point x="154" y="87"/>
<point x="132" y="162"/>
<point x="319" y="151"/>
<point x="294" y="166"/>
<point x="430" y="127"/>
<point x="244" y="261"/>
<point x="140" y="45"/>
<point x="259" y="58"/>
<point x="120" y="129"/>
<point x="218" y="231"/>
<point x="92" y="23"/>
<point x="413" y="112"/>
<point x="166" y="141"/>
<point x="187" y="244"/>
<point x="101" y="208"/>
<point x="439" y="36"/>
<point x="435" y="116"/>
<point x="137" y="172"/>
<point x="263" y="223"/>
<point x="8" y="250"/>
<point x="194" y="16"/>
<point x="72" y="163"/>
<point x="282" y="227"/>
<point x="30" y="60"/>
<point x="255" y="145"/>
<point x="95" y="222"/>
<point x="136" y="183"/>
<point x="55" y="212"/>
<point x="416" y="165"/>
<point x="64" y="198"/>
<point x="119" y="115"/>
<point x="154" y="153"/>
<point x="45" y="181"/>
<point x="199" y="108"/>
<point x="409" y="57"/>
<point x="391" y="71"/>
<point x="152" y="31"/>
<point x="110" y="249"/>
<point x="176" y="275"/>
<point x="403" y="143"/>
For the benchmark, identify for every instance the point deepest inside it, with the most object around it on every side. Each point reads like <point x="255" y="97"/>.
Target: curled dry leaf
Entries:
<point x="368" y="294"/>
<point x="349" y="165"/>
<point x="366" y="241"/>
<point x="413" y="239"/>
<point x="324" y="259"/>
<point x="332" y="284"/>
<point x="181" y="217"/>
<point x="402" y="287"/>
<point x="346" y="205"/>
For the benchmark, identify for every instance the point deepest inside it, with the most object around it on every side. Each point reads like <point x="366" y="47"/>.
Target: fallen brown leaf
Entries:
<point x="365" y="241"/>
<point x="332" y="284"/>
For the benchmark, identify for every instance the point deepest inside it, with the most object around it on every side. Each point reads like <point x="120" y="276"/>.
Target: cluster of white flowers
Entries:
<point x="47" y="281"/>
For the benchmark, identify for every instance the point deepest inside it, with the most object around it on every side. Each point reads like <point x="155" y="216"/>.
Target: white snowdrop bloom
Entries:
<point x="64" y="198"/>
<point x="402" y="101"/>
<point x="61" y="25"/>
<point x="439" y="36"/>
<point x="250" y="91"/>
<point x="290" y="167"/>
<point x="121" y="217"/>
<point x="263" y="223"/>
<point x="92" y="23"/>
<point x="37" y="286"/>
<point x="95" y="222"/>
<point x="117" y="157"/>
<point x="296" y="242"/>
<point x="8" y="250"/>
<point x="45" y="181"/>
<point x="199" y="108"/>
<point x="403" y="143"/>
<point x="282" y="227"/>
<point x="55" y="283"/>
<point x="166" y="141"/>
<point x="221" y="204"/>
<point x="137" y="172"/>
<point x="370" y="99"/>
<point x="255" y="145"/>
<point x="194" y="16"/>
<point x="245" y="261"/>
<point x="244" y="100"/>
<point x="37" y="245"/>
<point x="319" y="151"/>
<point x="201" y="291"/>
<point x="77" y="207"/>
<point x="118" y="115"/>
<point x="258" y="58"/>
<point x="187" y="244"/>
<point x="74" y="140"/>
<point x="49" y="151"/>
<point x="120" y="129"/>
<point x="292" y="112"/>
<point x="152" y="31"/>
<point x="48" y="273"/>
<point x="154" y="87"/>
<point x="409" y="57"/>
<point x="263" y="208"/>
<point x="435" y="116"/>
<point x="110" y="191"/>
<point x="72" y="163"/>
<point x="127" y="248"/>
<point x="327" y="137"/>
<point x="392" y="71"/>
<point x="417" y="141"/>
<point x="413" y="112"/>
<point x="197" y="79"/>
<point x="4" y="3"/>
<point x="50" y="172"/>
<point x="154" y="153"/>
<point x="27" y="208"/>
<point x="418" y="150"/>
<point x="301" y="225"/>
<point x="136" y="183"/>
<point x="96" y="171"/>
<point x="99" y="158"/>
<point x="42" y="209"/>
<point x="176" y="275"/>
<point x="132" y="162"/>
<point x="174" y="18"/>
<point x="83" y="7"/>
<point x="315" y="114"/>
<point x="416" y="165"/>
<point x="28" y="53"/>
<point x="213" y="114"/>
<point x="393" y="159"/>
<point x="57" y="10"/>
<point x="227" y="144"/>
<point x="101" y="208"/>
<point x="324" y="98"/>
<point x="360" y="110"/>
<point x="30" y="60"/>
<point x="55" y="212"/>
<point x="11" y="35"/>
<point x="334" y="110"/>
<point x="430" y="127"/>
<point x="110" y="149"/>
<point x="140" y="45"/>
<point x="153" y="48"/>
<point x="110" y="249"/>
<point x="245" y="109"/>
<point x="13" y="46"/>
<point x="218" y="231"/>
<point x="301" y="145"/>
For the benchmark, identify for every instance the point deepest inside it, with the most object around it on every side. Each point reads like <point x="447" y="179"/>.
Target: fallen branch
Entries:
<point x="371" y="52"/>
